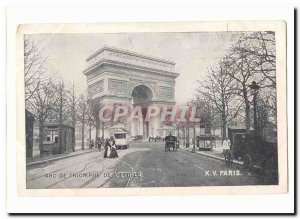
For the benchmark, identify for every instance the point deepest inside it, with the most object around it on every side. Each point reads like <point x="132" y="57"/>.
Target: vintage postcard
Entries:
<point x="151" y="108"/>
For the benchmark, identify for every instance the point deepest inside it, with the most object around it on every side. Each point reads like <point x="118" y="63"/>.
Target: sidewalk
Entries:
<point x="216" y="153"/>
<point x="46" y="159"/>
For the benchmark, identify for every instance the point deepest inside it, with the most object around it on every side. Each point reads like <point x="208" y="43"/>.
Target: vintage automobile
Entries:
<point x="171" y="142"/>
<point x="255" y="150"/>
<point x="121" y="138"/>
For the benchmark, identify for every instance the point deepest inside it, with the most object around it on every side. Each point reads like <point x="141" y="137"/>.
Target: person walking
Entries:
<point x="98" y="144"/>
<point x="226" y="150"/>
<point x="91" y="144"/>
<point x="107" y="148"/>
<point x="113" y="153"/>
<point x="226" y="145"/>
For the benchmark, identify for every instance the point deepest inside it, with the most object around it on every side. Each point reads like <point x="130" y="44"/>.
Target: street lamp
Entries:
<point x="254" y="87"/>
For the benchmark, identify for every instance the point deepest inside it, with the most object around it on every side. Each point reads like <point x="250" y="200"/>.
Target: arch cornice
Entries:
<point x="122" y="65"/>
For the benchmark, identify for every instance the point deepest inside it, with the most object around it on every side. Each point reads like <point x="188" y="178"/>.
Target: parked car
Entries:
<point x="255" y="150"/>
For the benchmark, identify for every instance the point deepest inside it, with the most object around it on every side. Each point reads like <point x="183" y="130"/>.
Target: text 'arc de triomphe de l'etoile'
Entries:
<point x="123" y="77"/>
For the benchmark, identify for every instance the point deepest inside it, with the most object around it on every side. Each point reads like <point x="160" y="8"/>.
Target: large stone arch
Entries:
<point x="148" y="85"/>
<point x="113" y="74"/>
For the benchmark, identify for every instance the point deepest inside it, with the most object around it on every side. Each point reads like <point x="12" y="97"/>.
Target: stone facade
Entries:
<point x="113" y="74"/>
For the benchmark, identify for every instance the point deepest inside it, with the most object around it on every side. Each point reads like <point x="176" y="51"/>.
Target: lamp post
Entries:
<point x="254" y="87"/>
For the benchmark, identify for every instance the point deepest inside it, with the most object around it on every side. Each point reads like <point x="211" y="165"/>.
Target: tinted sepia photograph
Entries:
<point x="151" y="109"/>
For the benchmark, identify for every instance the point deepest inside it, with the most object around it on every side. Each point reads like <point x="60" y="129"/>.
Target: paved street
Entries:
<point x="142" y="165"/>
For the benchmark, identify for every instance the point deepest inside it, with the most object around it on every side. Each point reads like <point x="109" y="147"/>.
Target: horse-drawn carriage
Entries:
<point x="171" y="142"/>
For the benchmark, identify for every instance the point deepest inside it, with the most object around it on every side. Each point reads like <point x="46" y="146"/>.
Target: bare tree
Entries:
<point x="240" y="66"/>
<point x="82" y="115"/>
<point x="226" y="84"/>
<point x="41" y="105"/>
<point x="262" y="46"/>
<point x="71" y="111"/>
<point x="73" y="106"/>
<point x="92" y="120"/>
<point x="252" y="59"/>
<point x="219" y="90"/>
<point x="61" y="109"/>
<point x="267" y="101"/>
<point x="34" y="66"/>
<point x="94" y="106"/>
<point x="207" y="111"/>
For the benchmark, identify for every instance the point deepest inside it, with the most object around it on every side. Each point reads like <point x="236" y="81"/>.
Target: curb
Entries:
<point x="56" y="158"/>
<point x="220" y="158"/>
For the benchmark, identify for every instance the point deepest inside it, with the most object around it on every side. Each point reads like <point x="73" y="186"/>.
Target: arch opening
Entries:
<point x="141" y="94"/>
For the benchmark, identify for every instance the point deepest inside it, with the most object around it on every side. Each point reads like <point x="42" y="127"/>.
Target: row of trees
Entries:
<point x="51" y="99"/>
<point x="226" y="86"/>
<point x="223" y="97"/>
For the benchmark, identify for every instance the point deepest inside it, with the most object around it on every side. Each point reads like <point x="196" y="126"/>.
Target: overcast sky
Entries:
<point x="192" y="53"/>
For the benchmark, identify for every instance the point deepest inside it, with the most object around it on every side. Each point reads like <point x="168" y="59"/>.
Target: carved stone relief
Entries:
<point x="166" y="92"/>
<point x="97" y="87"/>
<point x="117" y="86"/>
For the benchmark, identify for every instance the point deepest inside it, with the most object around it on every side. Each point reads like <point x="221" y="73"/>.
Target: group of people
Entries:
<point x="98" y="143"/>
<point x="110" y="150"/>
<point x="157" y="138"/>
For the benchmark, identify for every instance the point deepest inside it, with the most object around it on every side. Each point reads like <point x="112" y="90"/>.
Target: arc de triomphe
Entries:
<point x="123" y="77"/>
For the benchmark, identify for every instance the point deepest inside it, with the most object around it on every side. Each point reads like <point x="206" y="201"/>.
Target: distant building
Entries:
<point x="54" y="143"/>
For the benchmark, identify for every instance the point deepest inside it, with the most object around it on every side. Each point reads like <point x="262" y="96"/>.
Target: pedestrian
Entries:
<point x="112" y="140"/>
<point x="229" y="143"/>
<point x="177" y="143"/>
<point x="226" y="145"/>
<point x="99" y="144"/>
<point x="107" y="148"/>
<point x="113" y="153"/>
